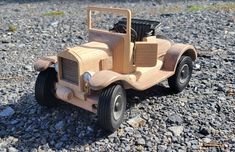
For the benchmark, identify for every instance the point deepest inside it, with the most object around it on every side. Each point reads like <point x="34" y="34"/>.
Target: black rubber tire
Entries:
<point x="106" y="118"/>
<point x="174" y="81"/>
<point x="45" y="88"/>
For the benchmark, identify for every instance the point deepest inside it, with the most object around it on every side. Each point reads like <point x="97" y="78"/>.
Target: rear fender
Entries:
<point x="44" y="63"/>
<point x="173" y="55"/>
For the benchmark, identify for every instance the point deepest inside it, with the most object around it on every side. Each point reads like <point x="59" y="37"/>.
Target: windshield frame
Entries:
<point x="126" y="13"/>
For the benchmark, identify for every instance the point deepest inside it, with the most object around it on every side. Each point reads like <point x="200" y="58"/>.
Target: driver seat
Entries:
<point x="143" y="28"/>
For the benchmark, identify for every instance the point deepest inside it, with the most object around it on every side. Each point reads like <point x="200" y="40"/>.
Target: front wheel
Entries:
<point x="182" y="75"/>
<point x="111" y="107"/>
<point x="45" y="88"/>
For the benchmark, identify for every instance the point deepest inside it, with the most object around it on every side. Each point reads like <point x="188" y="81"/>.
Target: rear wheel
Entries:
<point x="111" y="107"/>
<point x="45" y="88"/>
<point x="182" y="75"/>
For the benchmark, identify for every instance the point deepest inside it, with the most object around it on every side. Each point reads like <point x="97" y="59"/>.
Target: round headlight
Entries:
<point x="56" y="67"/>
<point x="86" y="76"/>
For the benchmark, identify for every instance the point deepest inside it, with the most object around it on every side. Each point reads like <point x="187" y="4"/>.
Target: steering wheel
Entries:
<point x="121" y="28"/>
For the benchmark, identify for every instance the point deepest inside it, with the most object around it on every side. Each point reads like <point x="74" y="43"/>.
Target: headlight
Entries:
<point x="87" y="76"/>
<point x="56" y="67"/>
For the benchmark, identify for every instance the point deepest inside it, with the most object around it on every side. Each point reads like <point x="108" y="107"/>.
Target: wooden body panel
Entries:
<point x="116" y="45"/>
<point x="142" y="79"/>
<point x="145" y="54"/>
<point x="163" y="45"/>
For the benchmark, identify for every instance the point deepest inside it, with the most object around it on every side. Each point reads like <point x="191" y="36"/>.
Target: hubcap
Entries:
<point x="184" y="74"/>
<point x="118" y="107"/>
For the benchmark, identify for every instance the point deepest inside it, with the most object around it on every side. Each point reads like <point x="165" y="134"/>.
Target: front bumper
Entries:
<point x="83" y="101"/>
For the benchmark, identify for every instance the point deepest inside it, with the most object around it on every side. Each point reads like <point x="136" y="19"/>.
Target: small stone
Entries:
<point x="12" y="149"/>
<point x="204" y="131"/>
<point x="59" y="145"/>
<point x="197" y="67"/>
<point x="90" y="129"/>
<point x="129" y="130"/>
<point x="120" y="132"/>
<point x="21" y="45"/>
<point x="87" y="148"/>
<point x="136" y="122"/>
<point x="161" y="148"/>
<point x="8" y="111"/>
<point x="55" y="24"/>
<point x="127" y="148"/>
<point x="206" y="140"/>
<point x="195" y="147"/>
<point x="218" y="107"/>
<point x="168" y="134"/>
<point x="6" y="40"/>
<point x="149" y="144"/>
<point x="3" y="48"/>
<point x="141" y="141"/>
<point x="232" y="33"/>
<point x="176" y="130"/>
<point x="113" y="135"/>
<point x="28" y="67"/>
<point x="175" y="119"/>
<point x="59" y="125"/>
<point x="139" y="148"/>
<point x="80" y="37"/>
<point x="14" y="122"/>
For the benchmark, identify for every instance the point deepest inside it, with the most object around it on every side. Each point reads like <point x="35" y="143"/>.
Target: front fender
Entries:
<point x="44" y="63"/>
<point x="104" y="78"/>
<point x="173" y="55"/>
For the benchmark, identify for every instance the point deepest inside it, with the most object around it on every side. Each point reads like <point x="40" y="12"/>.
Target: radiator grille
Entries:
<point x="69" y="70"/>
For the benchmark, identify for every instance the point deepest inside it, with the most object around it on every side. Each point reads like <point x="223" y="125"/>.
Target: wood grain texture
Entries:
<point x="163" y="45"/>
<point x="145" y="54"/>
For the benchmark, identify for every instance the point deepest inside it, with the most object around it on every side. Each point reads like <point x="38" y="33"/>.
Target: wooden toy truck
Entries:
<point x="95" y="75"/>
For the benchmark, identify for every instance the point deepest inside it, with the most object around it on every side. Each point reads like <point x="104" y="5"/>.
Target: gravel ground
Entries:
<point x="201" y="118"/>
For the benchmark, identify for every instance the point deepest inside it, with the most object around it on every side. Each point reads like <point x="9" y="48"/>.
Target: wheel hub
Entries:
<point x="118" y="107"/>
<point x="184" y="74"/>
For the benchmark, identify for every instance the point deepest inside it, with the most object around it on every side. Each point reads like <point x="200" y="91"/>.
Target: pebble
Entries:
<point x="55" y="24"/>
<point x="197" y="67"/>
<point x="136" y="122"/>
<point x="162" y="148"/>
<point x="141" y="141"/>
<point x="59" y="125"/>
<point x="12" y="149"/>
<point x="176" y="130"/>
<point x="204" y="131"/>
<point x="7" y="112"/>
<point x="175" y="119"/>
<point x="206" y="140"/>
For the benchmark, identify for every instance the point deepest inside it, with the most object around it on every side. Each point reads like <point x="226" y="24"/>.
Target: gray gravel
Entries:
<point x="202" y="117"/>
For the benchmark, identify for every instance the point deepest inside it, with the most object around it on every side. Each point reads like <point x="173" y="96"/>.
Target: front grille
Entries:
<point x="69" y="70"/>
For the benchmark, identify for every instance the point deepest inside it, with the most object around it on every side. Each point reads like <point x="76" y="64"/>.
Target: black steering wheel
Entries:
<point x="121" y="28"/>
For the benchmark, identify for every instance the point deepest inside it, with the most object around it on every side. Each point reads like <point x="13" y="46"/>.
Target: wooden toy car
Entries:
<point x="95" y="75"/>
